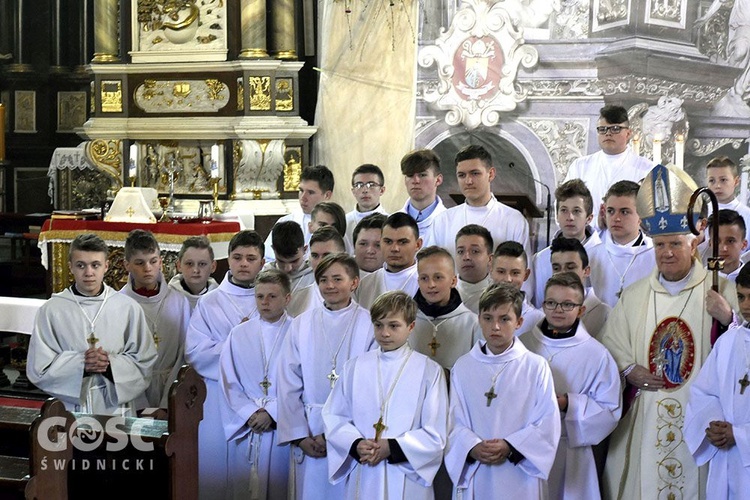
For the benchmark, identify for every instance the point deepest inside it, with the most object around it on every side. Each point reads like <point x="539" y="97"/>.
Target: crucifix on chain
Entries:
<point x="744" y="382"/>
<point x="434" y="346"/>
<point x="490" y="395"/>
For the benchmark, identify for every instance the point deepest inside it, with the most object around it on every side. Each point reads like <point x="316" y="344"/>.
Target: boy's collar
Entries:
<point x="435" y="310"/>
<point x="556" y="334"/>
<point x="75" y="291"/>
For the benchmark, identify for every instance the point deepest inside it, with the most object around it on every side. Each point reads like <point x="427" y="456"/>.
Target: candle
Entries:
<point x="679" y="151"/>
<point x="215" y="161"/>
<point x="743" y="187"/>
<point x="637" y="144"/>
<point x="657" y="149"/>
<point x="133" y="160"/>
<point x="2" y="132"/>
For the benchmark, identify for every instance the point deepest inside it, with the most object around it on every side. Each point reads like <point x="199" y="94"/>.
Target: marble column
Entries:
<point x="283" y="32"/>
<point x="83" y="34"/>
<point x="57" y="56"/>
<point x="253" y="21"/>
<point x="106" y="31"/>
<point x="19" y="50"/>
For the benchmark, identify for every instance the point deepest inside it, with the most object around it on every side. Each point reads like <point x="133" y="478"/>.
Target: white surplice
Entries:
<point x="472" y="292"/>
<point x="304" y="299"/>
<point x="376" y="284"/>
<point x="176" y="284"/>
<point x="715" y="396"/>
<point x="531" y="317"/>
<point x="167" y="314"/>
<point x="600" y="170"/>
<point x="524" y="413"/>
<point x="641" y="458"/>
<point x="455" y="333"/>
<point x="425" y="225"/>
<point x="256" y="463"/>
<point x="213" y="318"/>
<point x="583" y="369"/>
<point x="596" y="313"/>
<point x="541" y="266"/>
<point x="416" y="417"/>
<point x="503" y="222"/>
<point x="615" y="267"/>
<point x="304" y="367"/>
<point x="353" y="218"/>
<point x="59" y="341"/>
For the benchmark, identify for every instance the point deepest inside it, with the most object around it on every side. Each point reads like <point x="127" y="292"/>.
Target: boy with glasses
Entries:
<point x="587" y="383"/>
<point x="368" y="185"/>
<point x="614" y="162"/>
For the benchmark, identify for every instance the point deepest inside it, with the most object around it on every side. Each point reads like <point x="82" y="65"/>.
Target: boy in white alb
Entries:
<point x="400" y="243"/>
<point x="475" y="173"/>
<point x="91" y="346"/>
<point x="366" y="237"/>
<point x="290" y="250"/>
<point x="318" y="344"/>
<point x="324" y="241"/>
<point x="717" y="420"/>
<point x="315" y="185"/>
<point x="568" y="254"/>
<point x="509" y="265"/>
<point x="421" y="171"/>
<point x="574" y="213"/>
<point x="504" y="418"/>
<point x="167" y="314"/>
<point x="626" y="255"/>
<point x="386" y="420"/>
<point x="368" y="185"/>
<point x="474" y="247"/>
<point x="214" y="317"/>
<point x="195" y="265"/>
<point x="445" y="329"/>
<point x="258" y="467"/>
<point x="723" y="178"/>
<point x="587" y="383"/>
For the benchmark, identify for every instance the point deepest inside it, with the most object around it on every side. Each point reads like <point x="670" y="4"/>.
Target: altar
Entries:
<point x="57" y="234"/>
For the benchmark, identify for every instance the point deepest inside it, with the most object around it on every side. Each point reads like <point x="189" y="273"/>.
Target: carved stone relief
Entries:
<point x="258" y="164"/>
<point x="669" y="13"/>
<point x="565" y="140"/>
<point x="610" y="14"/>
<point x="167" y="96"/>
<point x="191" y="161"/>
<point x="572" y="21"/>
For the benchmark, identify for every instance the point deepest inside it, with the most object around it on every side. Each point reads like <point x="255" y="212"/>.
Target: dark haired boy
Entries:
<point x="167" y="313"/>
<point x="195" y="264"/>
<point x="616" y="161"/>
<point x="368" y="185"/>
<point x="288" y="242"/>
<point x="366" y="240"/>
<point x="716" y="420"/>
<point x="587" y="384"/>
<point x="388" y="448"/>
<point x="317" y="346"/>
<point x="422" y="176"/>
<point x="505" y="422"/>
<point x="510" y="265"/>
<point x="475" y="172"/>
<point x="400" y="243"/>
<point x="574" y="214"/>
<point x="732" y="242"/>
<point x="474" y="247"/>
<point x="214" y="317"/>
<point x="626" y="254"/>
<point x="91" y="347"/>
<point x="316" y="185"/>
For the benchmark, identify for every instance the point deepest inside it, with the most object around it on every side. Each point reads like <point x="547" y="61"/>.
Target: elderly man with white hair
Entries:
<point x="659" y="334"/>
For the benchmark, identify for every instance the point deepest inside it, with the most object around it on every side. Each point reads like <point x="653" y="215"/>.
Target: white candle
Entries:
<point x="215" y="161"/>
<point x="657" y="149"/>
<point x="133" y="160"/>
<point x="637" y="144"/>
<point x="679" y="151"/>
<point x="743" y="187"/>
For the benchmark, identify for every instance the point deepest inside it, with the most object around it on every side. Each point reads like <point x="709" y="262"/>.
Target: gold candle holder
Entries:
<point x="215" y="187"/>
<point x="132" y="181"/>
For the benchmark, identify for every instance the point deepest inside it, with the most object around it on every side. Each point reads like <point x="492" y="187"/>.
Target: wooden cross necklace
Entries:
<point x="744" y="381"/>
<point x="380" y="426"/>
<point x="265" y="383"/>
<point x="435" y="344"/>
<point x="92" y="340"/>
<point x="333" y="376"/>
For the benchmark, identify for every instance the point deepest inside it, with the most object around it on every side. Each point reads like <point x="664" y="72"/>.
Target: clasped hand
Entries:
<point x="96" y="360"/>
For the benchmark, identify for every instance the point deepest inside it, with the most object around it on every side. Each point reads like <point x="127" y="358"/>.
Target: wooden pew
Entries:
<point x="169" y="471"/>
<point x="26" y="467"/>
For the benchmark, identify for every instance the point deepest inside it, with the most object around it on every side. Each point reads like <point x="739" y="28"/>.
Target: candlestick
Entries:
<point x="679" y="151"/>
<point x="215" y="161"/>
<point x="215" y="186"/>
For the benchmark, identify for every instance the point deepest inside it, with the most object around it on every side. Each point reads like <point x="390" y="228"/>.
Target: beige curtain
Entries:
<point x="366" y="101"/>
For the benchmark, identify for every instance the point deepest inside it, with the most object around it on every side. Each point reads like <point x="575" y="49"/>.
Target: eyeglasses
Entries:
<point x="362" y="185"/>
<point x="615" y="129"/>
<point x="551" y="305"/>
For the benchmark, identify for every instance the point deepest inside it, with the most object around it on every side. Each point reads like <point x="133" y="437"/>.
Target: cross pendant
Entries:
<point x="744" y="382"/>
<point x="92" y="340"/>
<point x="490" y="395"/>
<point x="379" y="427"/>
<point x="265" y="384"/>
<point x="156" y="340"/>
<point x="434" y="346"/>
<point x="333" y="377"/>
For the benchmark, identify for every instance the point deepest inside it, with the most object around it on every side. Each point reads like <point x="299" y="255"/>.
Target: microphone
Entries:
<point x="512" y="166"/>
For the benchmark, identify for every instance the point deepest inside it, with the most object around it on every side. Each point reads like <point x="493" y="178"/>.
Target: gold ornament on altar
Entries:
<point x="292" y="171"/>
